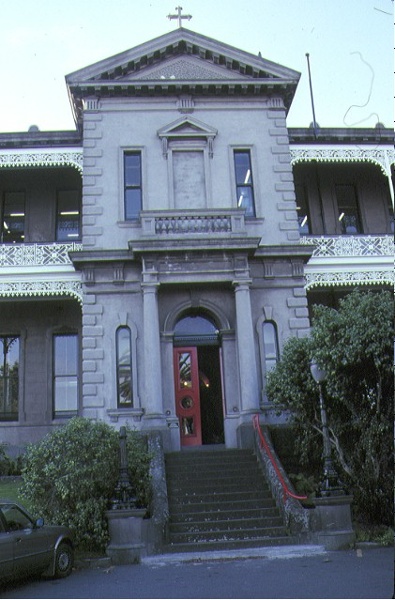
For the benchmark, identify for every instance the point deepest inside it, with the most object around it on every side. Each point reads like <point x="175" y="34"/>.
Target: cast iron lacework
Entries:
<point x="42" y="159"/>
<point x="368" y="277"/>
<point x="378" y="245"/>
<point x="42" y="288"/>
<point x="36" y="255"/>
<point x="383" y="157"/>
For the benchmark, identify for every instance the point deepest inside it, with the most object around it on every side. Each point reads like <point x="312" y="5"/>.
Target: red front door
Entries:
<point x="186" y="377"/>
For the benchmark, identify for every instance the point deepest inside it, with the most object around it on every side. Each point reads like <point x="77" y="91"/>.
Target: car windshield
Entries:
<point x="14" y="518"/>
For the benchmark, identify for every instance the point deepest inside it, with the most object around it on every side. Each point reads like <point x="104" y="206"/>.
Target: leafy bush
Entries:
<point x="139" y="464"/>
<point x="9" y="466"/>
<point x="355" y="346"/>
<point x="69" y="477"/>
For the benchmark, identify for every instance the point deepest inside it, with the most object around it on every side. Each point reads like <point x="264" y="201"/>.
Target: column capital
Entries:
<point x="150" y="286"/>
<point x="240" y="284"/>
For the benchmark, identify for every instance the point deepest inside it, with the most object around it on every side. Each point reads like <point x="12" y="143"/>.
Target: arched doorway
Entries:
<point x="198" y="381"/>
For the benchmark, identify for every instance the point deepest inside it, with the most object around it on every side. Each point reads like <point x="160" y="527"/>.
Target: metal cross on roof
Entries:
<point x="179" y="16"/>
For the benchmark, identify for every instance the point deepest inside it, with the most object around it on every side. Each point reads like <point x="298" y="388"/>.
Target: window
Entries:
<point x="68" y="225"/>
<point x="124" y="367"/>
<point x="347" y="204"/>
<point x="9" y="378"/>
<point x="302" y="208"/>
<point x="270" y="345"/>
<point x="244" y="184"/>
<point x="132" y="182"/>
<point x="65" y="374"/>
<point x="12" y="215"/>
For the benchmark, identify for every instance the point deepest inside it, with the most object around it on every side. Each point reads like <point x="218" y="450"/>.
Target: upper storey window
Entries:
<point x="68" y="226"/>
<point x="133" y="185"/>
<point x="348" y="210"/>
<point x="303" y="210"/>
<point x="244" y="183"/>
<point x="12" y="215"/>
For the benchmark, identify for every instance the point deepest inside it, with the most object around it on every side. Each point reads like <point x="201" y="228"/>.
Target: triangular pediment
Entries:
<point x="181" y="62"/>
<point x="186" y="68"/>
<point x="148" y="59"/>
<point x="187" y="126"/>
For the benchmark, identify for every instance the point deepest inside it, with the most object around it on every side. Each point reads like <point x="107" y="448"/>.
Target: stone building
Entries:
<point x="154" y="261"/>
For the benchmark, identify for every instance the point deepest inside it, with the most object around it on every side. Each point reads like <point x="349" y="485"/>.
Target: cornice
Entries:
<point x="59" y="288"/>
<point x="42" y="158"/>
<point x="384" y="157"/>
<point x="350" y="278"/>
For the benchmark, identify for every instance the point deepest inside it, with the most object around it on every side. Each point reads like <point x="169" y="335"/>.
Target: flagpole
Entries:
<point x="311" y="95"/>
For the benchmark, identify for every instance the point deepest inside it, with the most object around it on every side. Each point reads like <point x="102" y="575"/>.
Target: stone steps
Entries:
<point x="219" y="499"/>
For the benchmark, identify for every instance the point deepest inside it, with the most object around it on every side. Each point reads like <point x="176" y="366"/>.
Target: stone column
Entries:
<point x="153" y="402"/>
<point x="246" y="348"/>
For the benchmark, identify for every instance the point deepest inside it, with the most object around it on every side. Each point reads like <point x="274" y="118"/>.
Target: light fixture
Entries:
<point x="303" y="223"/>
<point x="69" y="212"/>
<point x="319" y="375"/>
<point x="341" y="216"/>
<point x="247" y="177"/>
<point x="330" y="485"/>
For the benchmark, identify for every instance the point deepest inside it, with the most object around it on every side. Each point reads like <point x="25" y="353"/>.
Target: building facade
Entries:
<point x="154" y="261"/>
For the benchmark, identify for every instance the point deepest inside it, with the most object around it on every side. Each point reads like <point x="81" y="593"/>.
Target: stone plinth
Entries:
<point x="125" y="527"/>
<point x="331" y="522"/>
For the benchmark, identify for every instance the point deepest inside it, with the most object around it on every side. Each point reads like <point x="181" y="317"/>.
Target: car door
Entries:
<point x="29" y="544"/>
<point x="6" y="552"/>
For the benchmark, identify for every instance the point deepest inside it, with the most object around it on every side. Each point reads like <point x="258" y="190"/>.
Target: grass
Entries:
<point x="9" y="489"/>
<point x="380" y="534"/>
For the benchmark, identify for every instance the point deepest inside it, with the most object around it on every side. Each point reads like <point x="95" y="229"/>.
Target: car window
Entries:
<point x="15" y="519"/>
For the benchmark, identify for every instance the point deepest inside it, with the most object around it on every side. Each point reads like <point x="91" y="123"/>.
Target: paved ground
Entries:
<point x="289" y="572"/>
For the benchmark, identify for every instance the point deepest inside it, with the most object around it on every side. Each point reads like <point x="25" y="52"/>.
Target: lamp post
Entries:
<point x="330" y="485"/>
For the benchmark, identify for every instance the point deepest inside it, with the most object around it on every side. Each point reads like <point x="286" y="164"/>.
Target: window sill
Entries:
<point x="134" y="413"/>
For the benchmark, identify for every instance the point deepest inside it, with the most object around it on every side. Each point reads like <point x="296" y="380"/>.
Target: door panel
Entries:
<point x="186" y="378"/>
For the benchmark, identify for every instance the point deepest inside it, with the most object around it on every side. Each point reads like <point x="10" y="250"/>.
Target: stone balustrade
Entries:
<point x="191" y="222"/>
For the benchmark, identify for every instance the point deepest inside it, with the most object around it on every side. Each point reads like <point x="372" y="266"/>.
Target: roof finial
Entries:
<point x="179" y="16"/>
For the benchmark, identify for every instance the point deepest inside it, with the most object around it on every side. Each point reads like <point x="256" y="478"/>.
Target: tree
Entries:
<point x="355" y="346"/>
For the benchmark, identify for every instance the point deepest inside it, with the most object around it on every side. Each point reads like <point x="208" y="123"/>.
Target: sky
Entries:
<point x="349" y="43"/>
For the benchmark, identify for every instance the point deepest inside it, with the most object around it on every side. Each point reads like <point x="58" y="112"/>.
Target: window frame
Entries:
<point x="249" y="213"/>
<point x="56" y="414"/>
<point x="340" y="211"/>
<point x="3" y="216"/>
<point x="267" y="317"/>
<point x="12" y="416"/>
<point x="270" y="359"/>
<point x="125" y="153"/>
<point x="75" y="238"/>
<point x="130" y="404"/>
<point x="302" y="198"/>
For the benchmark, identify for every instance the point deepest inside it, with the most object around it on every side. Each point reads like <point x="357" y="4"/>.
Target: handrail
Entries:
<point x="263" y="443"/>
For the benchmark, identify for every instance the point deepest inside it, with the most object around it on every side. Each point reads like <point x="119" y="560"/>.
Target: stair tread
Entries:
<point x="202" y="546"/>
<point x="218" y="499"/>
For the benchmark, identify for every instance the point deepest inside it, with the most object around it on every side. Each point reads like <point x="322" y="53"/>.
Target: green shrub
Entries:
<point x="69" y="477"/>
<point x="9" y="466"/>
<point x="139" y="463"/>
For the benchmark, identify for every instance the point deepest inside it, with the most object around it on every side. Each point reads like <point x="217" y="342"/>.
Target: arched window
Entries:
<point x="270" y="345"/>
<point x="195" y="329"/>
<point x="124" y="367"/>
